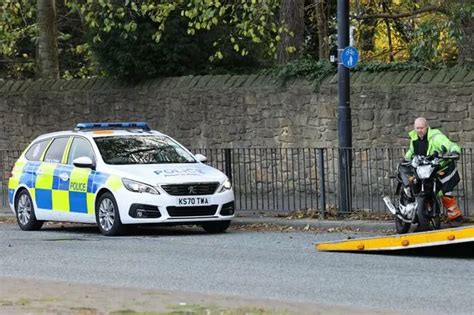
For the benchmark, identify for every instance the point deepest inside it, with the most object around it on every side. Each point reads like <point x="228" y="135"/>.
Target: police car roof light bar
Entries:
<point x="114" y="125"/>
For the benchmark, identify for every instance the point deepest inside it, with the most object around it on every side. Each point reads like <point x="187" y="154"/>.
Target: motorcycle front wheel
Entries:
<point x="400" y="226"/>
<point x="436" y="222"/>
<point x="423" y="222"/>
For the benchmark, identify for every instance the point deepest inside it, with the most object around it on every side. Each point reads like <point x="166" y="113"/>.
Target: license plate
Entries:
<point x="193" y="201"/>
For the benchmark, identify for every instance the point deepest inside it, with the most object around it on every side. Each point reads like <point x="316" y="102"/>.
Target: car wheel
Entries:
<point x="25" y="212"/>
<point x="216" y="227"/>
<point x="107" y="215"/>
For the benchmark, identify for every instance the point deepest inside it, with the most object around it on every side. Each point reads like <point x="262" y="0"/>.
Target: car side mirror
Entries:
<point x="201" y="158"/>
<point x="84" y="162"/>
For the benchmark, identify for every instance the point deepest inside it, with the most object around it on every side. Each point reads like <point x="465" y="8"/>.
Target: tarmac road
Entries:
<point x="281" y="266"/>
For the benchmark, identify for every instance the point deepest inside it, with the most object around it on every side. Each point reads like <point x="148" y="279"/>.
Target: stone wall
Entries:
<point x="246" y="111"/>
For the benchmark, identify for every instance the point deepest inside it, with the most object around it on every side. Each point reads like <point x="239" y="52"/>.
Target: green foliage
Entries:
<point x="429" y="47"/>
<point x="306" y="67"/>
<point x="247" y="21"/>
<point x="137" y="56"/>
<point x="18" y="32"/>
<point x="378" y="66"/>
<point x="430" y="37"/>
<point x="18" y="38"/>
<point x="149" y="38"/>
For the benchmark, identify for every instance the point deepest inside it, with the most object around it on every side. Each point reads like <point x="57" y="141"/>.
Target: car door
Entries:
<point x="51" y="181"/>
<point x="81" y="196"/>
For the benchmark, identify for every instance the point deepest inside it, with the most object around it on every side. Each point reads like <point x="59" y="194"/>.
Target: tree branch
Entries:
<point x="429" y="8"/>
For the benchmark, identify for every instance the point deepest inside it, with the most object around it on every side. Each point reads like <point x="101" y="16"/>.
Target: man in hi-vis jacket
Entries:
<point x="426" y="141"/>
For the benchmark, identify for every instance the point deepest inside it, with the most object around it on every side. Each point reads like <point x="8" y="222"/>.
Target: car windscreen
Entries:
<point x="141" y="150"/>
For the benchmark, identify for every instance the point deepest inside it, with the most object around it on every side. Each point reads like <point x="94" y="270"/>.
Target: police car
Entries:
<point x="115" y="174"/>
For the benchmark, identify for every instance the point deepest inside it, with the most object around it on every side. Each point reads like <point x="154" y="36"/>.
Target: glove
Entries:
<point x="455" y="155"/>
<point x="443" y="149"/>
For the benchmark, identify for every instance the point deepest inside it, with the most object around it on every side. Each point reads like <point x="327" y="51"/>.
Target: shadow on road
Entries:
<point x="462" y="250"/>
<point x="150" y="231"/>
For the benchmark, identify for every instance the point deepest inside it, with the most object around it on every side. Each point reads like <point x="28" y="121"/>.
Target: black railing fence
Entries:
<point x="291" y="179"/>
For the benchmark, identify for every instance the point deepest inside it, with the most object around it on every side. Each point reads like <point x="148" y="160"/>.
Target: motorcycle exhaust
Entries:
<point x="390" y="205"/>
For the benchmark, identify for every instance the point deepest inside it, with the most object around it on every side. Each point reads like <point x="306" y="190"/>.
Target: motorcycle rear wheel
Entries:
<point x="400" y="226"/>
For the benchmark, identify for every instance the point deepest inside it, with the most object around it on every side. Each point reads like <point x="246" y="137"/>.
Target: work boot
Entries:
<point x="452" y="209"/>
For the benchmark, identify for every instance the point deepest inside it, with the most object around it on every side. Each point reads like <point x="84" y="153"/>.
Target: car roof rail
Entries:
<point x="112" y="125"/>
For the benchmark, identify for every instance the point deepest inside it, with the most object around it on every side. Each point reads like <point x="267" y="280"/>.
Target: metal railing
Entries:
<point x="290" y="179"/>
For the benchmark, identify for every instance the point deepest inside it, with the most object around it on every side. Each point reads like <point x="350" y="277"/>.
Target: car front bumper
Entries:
<point x="143" y="208"/>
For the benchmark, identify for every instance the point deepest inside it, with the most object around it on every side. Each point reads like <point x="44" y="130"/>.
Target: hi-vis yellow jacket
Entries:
<point x="436" y="139"/>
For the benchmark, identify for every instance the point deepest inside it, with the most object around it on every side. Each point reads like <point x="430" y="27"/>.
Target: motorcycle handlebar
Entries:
<point x="450" y="156"/>
<point x="446" y="156"/>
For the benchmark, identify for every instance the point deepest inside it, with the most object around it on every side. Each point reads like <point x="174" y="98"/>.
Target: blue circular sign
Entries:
<point x="350" y="57"/>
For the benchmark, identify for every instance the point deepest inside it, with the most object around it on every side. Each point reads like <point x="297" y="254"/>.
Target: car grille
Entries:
<point x="196" y="189"/>
<point x="191" y="211"/>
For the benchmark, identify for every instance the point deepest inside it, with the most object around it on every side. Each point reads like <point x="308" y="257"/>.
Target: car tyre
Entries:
<point x="25" y="212"/>
<point x="216" y="227"/>
<point x="107" y="215"/>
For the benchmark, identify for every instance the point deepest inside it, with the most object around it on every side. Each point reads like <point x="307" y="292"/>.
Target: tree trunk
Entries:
<point x="389" y="32"/>
<point x="466" y="45"/>
<point x="366" y="30"/>
<point x="323" y="33"/>
<point x="48" y="40"/>
<point x="292" y="15"/>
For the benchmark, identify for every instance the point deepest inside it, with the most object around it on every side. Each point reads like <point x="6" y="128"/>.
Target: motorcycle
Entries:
<point x="418" y="189"/>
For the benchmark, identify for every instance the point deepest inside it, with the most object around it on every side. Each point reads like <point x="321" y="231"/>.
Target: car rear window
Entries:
<point x="36" y="150"/>
<point x="56" y="150"/>
<point x="141" y="150"/>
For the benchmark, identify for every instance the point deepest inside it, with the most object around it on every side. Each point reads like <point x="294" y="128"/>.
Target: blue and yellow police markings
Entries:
<point x="14" y="180"/>
<point x="61" y="187"/>
<point x="43" y="185"/>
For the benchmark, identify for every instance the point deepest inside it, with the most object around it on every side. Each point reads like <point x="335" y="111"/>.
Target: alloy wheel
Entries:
<point x="24" y="209"/>
<point x="106" y="214"/>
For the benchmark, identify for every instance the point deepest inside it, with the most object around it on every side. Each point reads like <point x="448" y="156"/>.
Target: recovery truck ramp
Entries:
<point x="402" y="241"/>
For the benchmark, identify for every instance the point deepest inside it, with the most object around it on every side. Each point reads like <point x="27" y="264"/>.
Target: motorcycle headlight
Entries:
<point x="424" y="171"/>
<point x="139" y="187"/>
<point x="227" y="185"/>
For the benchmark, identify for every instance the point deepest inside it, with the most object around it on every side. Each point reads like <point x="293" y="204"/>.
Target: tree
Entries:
<point x="466" y="42"/>
<point x="137" y="56"/>
<point x="17" y="28"/>
<point x="248" y="21"/>
<point x="48" y="61"/>
<point x="419" y="30"/>
<point x="323" y="29"/>
<point x="292" y="20"/>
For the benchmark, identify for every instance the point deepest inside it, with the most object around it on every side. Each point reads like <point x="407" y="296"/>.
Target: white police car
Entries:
<point x="115" y="174"/>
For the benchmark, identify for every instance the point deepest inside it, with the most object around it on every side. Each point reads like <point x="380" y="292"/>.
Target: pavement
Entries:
<point x="280" y="219"/>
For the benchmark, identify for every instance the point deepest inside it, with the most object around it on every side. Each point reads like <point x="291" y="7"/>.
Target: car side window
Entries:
<point x="80" y="147"/>
<point x="56" y="150"/>
<point x="34" y="153"/>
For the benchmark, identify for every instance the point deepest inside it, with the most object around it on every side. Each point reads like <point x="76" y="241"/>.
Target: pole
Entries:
<point x="344" y="110"/>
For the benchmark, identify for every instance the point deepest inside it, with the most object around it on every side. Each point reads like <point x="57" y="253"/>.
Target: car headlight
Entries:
<point x="227" y="185"/>
<point x="139" y="187"/>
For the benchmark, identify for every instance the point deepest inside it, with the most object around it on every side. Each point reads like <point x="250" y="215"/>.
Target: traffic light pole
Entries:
<point x="344" y="110"/>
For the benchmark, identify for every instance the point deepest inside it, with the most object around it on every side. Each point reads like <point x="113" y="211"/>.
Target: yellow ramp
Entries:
<point x="405" y="241"/>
